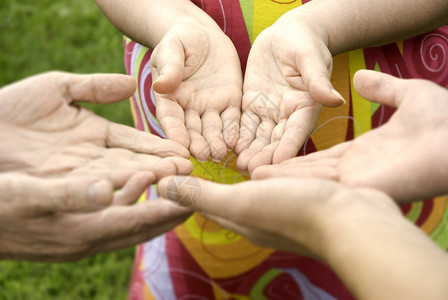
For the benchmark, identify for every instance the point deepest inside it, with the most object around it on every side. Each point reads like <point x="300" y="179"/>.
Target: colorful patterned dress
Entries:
<point x="200" y="260"/>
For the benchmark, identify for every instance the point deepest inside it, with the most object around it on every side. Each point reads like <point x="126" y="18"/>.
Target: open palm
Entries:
<point x="279" y="109"/>
<point x="44" y="134"/>
<point x="406" y="157"/>
<point x="198" y="89"/>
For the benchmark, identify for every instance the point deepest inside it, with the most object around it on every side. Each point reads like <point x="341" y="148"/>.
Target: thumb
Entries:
<point x="379" y="87"/>
<point x="167" y="65"/>
<point x="316" y="73"/>
<point x="34" y="196"/>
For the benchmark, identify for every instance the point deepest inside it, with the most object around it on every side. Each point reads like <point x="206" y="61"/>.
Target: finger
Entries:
<point x="160" y="167"/>
<point x="167" y="65"/>
<point x="117" y="178"/>
<point x="263" y="138"/>
<point x="98" y="88"/>
<point x="36" y="196"/>
<point x="379" y="87"/>
<point x="297" y="129"/>
<point x="129" y="240"/>
<point x="333" y="152"/>
<point x="133" y="188"/>
<point x="264" y="157"/>
<point x="122" y="136"/>
<point x="249" y="124"/>
<point x="171" y="118"/>
<point x="120" y="221"/>
<point x="118" y="165"/>
<point x="212" y="132"/>
<point x="183" y="166"/>
<point x="212" y="198"/>
<point x="316" y="73"/>
<point x="325" y="169"/>
<point x="231" y="126"/>
<point x="198" y="146"/>
<point x="251" y="203"/>
<point x="223" y="201"/>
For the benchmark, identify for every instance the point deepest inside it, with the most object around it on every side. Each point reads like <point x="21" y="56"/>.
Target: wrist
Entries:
<point x="187" y="14"/>
<point x="305" y="21"/>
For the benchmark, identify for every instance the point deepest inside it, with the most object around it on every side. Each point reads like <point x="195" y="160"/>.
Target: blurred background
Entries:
<point x="73" y="36"/>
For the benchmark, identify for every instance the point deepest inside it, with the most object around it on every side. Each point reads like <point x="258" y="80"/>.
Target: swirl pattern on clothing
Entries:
<point x="200" y="260"/>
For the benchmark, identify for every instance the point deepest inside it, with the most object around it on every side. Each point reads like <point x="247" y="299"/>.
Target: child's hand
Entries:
<point x="405" y="158"/>
<point x="198" y="89"/>
<point x="287" y="78"/>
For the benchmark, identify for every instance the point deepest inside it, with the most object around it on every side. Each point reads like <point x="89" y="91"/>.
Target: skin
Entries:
<point x="290" y="64"/>
<point x="48" y="135"/>
<point x="61" y="220"/>
<point x="406" y="157"/>
<point x="315" y="217"/>
<point x="69" y="178"/>
<point x="195" y="68"/>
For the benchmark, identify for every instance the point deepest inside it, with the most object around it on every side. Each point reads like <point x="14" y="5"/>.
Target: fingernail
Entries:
<point x="337" y="94"/>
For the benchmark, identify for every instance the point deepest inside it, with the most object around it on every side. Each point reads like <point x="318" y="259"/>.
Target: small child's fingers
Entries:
<point x="249" y="124"/>
<point x="172" y="120"/>
<point x="264" y="157"/>
<point x="212" y="132"/>
<point x="198" y="146"/>
<point x="297" y="129"/>
<point x="231" y="126"/>
<point x="263" y="138"/>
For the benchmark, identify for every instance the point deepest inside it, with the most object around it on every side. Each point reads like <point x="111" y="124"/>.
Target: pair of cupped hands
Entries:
<point x="69" y="177"/>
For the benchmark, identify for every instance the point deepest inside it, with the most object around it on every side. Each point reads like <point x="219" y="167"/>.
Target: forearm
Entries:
<point x="351" y="24"/>
<point x="379" y="256"/>
<point x="147" y="21"/>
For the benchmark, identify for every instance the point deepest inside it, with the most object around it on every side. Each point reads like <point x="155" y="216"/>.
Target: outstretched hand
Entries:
<point x="198" y="89"/>
<point x="66" y="219"/>
<point x="283" y="213"/>
<point x="287" y="79"/>
<point x="405" y="158"/>
<point x="360" y="232"/>
<point x="45" y="134"/>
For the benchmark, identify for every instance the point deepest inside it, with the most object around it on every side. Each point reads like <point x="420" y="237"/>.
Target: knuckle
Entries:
<point x="63" y="198"/>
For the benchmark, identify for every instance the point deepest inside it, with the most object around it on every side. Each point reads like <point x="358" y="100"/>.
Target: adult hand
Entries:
<point x="66" y="219"/>
<point x="283" y="213"/>
<point x="405" y="158"/>
<point x="287" y="78"/>
<point x="45" y="134"/>
<point x="360" y="233"/>
<point x="198" y="89"/>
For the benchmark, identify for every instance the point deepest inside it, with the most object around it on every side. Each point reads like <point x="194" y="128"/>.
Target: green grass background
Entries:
<point x="69" y="35"/>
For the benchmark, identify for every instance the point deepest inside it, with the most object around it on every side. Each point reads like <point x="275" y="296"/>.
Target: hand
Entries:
<point x="44" y="134"/>
<point x="283" y="213"/>
<point x="66" y="219"/>
<point x="360" y="233"/>
<point x="287" y="78"/>
<point x="406" y="157"/>
<point x="198" y="89"/>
